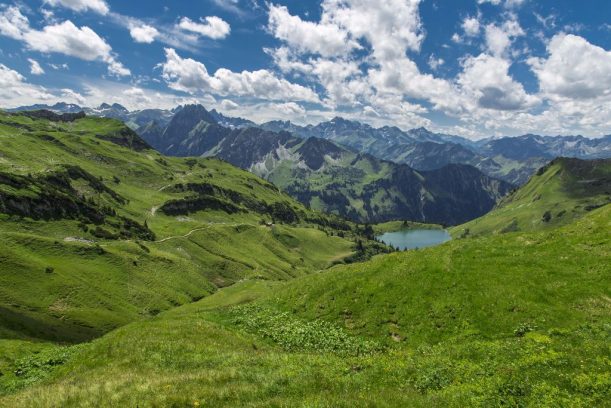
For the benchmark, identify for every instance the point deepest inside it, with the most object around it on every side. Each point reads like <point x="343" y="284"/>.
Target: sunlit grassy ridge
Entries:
<point x="96" y="233"/>
<point x="557" y="194"/>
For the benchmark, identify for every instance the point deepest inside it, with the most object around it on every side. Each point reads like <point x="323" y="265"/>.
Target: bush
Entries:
<point x="49" y="269"/>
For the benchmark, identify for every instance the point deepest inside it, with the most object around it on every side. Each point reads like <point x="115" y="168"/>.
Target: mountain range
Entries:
<point x="329" y="177"/>
<point x="512" y="159"/>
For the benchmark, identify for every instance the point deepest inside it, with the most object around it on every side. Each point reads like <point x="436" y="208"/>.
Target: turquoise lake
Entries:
<point x="410" y="239"/>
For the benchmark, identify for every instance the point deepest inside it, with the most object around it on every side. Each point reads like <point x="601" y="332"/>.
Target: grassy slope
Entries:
<point x="99" y="285"/>
<point x="567" y="188"/>
<point x="349" y="175"/>
<point x="519" y="319"/>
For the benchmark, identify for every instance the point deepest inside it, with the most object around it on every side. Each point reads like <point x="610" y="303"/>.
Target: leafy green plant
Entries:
<point x="294" y="334"/>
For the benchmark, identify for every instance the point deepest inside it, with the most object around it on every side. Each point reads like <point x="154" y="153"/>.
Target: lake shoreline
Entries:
<point x="399" y="225"/>
<point x="415" y="238"/>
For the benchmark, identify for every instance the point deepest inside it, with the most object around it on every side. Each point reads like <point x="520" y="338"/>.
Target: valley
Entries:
<point x="134" y="278"/>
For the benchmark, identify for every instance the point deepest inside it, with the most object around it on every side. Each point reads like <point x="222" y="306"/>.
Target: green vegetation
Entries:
<point x="559" y="193"/>
<point x="223" y="307"/>
<point x="511" y="320"/>
<point x="99" y="230"/>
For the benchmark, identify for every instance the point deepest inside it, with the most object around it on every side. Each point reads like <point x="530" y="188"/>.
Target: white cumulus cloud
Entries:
<point x="574" y="69"/>
<point x="486" y="79"/>
<point x="15" y="91"/>
<point x="144" y="33"/>
<point x="325" y="38"/>
<point x="191" y="76"/>
<point x="211" y="26"/>
<point x="98" y="6"/>
<point x="471" y="26"/>
<point x="63" y="38"/>
<point x="35" y="68"/>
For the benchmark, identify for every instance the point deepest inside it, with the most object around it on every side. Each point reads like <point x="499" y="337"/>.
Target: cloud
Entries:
<point x="470" y="26"/>
<point x="341" y="79"/>
<point x="83" y="43"/>
<point x="188" y="75"/>
<point x="35" y="68"/>
<point x="144" y="33"/>
<point x="326" y="51"/>
<point x="71" y="95"/>
<point x="12" y="23"/>
<point x="233" y="6"/>
<point x="435" y="62"/>
<point x="229" y="105"/>
<point x="63" y="38"/>
<point x="506" y="3"/>
<point x="15" y="91"/>
<point x="134" y="97"/>
<point x="391" y="27"/>
<point x="574" y="69"/>
<point x="486" y="79"/>
<point x="98" y="6"/>
<point x="326" y="38"/>
<point x="289" y="109"/>
<point x="59" y="66"/>
<point x="499" y="38"/>
<point x="211" y="26"/>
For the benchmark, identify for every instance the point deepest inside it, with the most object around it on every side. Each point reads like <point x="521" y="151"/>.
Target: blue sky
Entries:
<point x="469" y="67"/>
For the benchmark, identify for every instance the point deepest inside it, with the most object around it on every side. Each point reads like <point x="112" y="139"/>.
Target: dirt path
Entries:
<point x="184" y="236"/>
<point x="210" y="225"/>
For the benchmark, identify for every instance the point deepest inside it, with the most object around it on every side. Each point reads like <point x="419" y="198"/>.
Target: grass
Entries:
<point x="62" y="281"/>
<point x="556" y="195"/>
<point x="221" y="310"/>
<point x="519" y="319"/>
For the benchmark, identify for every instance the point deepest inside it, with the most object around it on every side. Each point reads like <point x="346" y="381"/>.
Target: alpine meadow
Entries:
<point x="334" y="203"/>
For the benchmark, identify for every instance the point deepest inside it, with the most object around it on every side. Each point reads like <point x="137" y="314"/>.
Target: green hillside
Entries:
<point x="559" y="193"/>
<point x="99" y="230"/>
<point x="511" y="320"/>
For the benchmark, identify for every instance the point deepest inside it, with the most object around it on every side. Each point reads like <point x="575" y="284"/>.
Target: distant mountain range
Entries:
<point x="512" y="159"/>
<point x="353" y="169"/>
<point x="327" y="176"/>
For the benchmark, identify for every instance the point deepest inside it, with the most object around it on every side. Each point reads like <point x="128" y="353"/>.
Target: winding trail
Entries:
<point x="183" y="236"/>
<point x="210" y="225"/>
